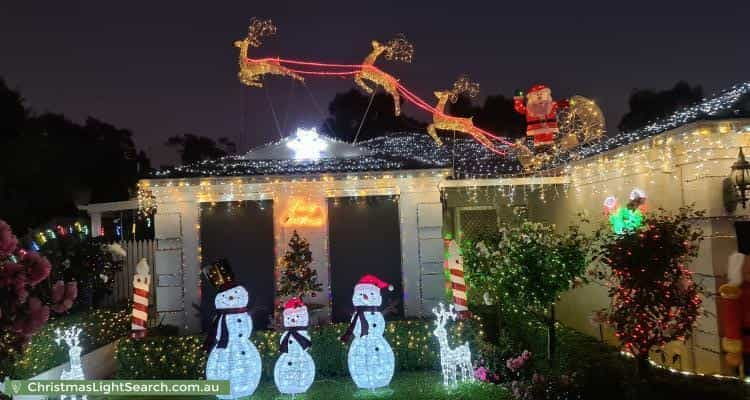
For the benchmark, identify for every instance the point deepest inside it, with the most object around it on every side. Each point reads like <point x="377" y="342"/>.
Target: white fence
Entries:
<point x="123" y="286"/>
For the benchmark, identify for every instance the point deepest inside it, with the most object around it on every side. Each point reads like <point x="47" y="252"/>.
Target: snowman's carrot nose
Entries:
<point x="365" y="296"/>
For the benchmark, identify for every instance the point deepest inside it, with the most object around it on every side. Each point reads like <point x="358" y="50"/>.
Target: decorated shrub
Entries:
<point x="524" y="269"/>
<point x="654" y="299"/>
<point x="175" y="357"/>
<point x="87" y="260"/>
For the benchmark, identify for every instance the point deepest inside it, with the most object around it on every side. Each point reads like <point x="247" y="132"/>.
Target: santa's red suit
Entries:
<point x="541" y="114"/>
<point x="734" y="312"/>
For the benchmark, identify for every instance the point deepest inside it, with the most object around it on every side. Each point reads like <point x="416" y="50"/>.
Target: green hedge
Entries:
<point x="100" y="327"/>
<point x="182" y="357"/>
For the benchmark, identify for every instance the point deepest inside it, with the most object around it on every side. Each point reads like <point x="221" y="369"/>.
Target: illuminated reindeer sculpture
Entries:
<point x="398" y="49"/>
<point x="251" y="71"/>
<point x="456" y="363"/>
<point x="75" y="373"/>
<point x="443" y="121"/>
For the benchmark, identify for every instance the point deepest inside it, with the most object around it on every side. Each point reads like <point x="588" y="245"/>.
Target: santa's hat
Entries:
<point x="294" y="302"/>
<point x="538" y="88"/>
<point x="374" y="280"/>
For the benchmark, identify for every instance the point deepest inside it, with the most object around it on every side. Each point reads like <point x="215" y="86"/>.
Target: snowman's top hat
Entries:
<point x="220" y="274"/>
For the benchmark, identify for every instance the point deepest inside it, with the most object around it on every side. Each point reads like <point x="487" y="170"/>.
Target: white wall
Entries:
<point x="178" y="260"/>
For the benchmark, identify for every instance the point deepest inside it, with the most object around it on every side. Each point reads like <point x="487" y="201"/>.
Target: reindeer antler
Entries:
<point x="69" y="336"/>
<point x="464" y="85"/>
<point x="258" y="29"/>
<point x="399" y="49"/>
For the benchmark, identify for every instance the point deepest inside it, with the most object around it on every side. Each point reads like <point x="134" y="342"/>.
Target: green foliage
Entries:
<point x="100" y="327"/>
<point x="297" y="278"/>
<point x="654" y="299"/>
<point x="177" y="357"/>
<point x="84" y="259"/>
<point x="526" y="267"/>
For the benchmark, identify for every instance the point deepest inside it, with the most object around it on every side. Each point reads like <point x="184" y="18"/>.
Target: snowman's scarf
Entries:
<point x="220" y="319"/>
<point x="359" y="314"/>
<point x="293" y="331"/>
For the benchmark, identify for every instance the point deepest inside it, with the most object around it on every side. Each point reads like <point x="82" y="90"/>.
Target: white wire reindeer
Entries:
<point x="456" y="363"/>
<point x="75" y="373"/>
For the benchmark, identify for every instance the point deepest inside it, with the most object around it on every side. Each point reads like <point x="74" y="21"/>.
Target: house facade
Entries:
<point x="384" y="207"/>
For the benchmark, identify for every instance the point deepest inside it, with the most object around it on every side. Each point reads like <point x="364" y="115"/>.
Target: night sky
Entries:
<point x="161" y="69"/>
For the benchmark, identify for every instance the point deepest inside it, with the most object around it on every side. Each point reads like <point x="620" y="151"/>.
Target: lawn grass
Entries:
<point x="405" y="386"/>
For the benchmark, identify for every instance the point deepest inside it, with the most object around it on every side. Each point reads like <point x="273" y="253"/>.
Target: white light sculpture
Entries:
<point x="371" y="360"/>
<point x="294" y="371"/>
<point x="455" y="363"/>
<point x="234" y="357"/>
<point x="307" y="145"/>
<point x="75" y="373"/>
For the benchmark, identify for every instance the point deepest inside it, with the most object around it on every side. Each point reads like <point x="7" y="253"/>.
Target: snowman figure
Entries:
<point x="232" y="356"/>
<point x="295" y="369"/>
<point x="371" y="361"/>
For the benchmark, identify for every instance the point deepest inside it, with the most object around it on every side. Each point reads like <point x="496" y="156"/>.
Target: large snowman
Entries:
<point x="232" y="356"/>
<point x="295" y="369"/>
<point x="371" y="361"/>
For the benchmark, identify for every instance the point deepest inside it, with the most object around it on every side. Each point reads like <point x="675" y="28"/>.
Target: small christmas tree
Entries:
<point x="297" y="278"/>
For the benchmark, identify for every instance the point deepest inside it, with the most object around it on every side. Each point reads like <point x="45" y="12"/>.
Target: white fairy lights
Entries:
<point x="456" y="362"/>
<point x="71" y="338"/>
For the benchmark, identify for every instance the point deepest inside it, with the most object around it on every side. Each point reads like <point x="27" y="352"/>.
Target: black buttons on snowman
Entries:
<point x="240" y="335"/>
<point x="377" y="348"/>
<point x="374" y="325"/>
<point x="289" y="363"/>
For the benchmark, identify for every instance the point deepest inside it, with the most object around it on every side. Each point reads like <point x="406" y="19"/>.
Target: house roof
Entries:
<point x="416" y="150"/>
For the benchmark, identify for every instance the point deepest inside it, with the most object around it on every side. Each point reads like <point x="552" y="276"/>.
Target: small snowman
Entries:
<point x="371" y="361"/>
<point x="232" y="356"/>
<point x="295" y="369"/>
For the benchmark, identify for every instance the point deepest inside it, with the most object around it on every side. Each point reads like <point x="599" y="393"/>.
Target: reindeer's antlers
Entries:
<point x="258" y="29"/>
<point x="464" y="85"/>
<point x="399" y="49"/>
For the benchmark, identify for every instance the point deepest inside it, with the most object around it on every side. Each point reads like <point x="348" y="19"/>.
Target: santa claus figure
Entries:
<point x="541" y="114"/>
<point x="734" y="312"/>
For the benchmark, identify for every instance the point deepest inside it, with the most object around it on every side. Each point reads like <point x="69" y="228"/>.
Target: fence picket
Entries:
<point x="123" y="285"/>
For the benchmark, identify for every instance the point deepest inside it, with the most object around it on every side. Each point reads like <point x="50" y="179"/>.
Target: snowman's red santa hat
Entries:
<point x="293" y="303"/>
<point x="374" y="280"/>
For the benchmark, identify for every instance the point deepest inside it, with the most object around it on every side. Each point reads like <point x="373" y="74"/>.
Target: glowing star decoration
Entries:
<point x="232" y="356"/>
<point x="398" y="49"/>
<point x="251" y="71"/>
<point x="294" y="371"/>
<point x="455" y="363"/>
<point x="307" y="145"/>
<point x="442" y="121"/>
<point x="371" y="361"/>
<point x="141" y="289"/>
<point x="71" y="338"/>
<point x="301" y="213"/>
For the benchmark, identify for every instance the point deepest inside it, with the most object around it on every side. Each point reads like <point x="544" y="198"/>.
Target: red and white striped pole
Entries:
<point x="454" y="263"/>
<point x="141" y="288"/>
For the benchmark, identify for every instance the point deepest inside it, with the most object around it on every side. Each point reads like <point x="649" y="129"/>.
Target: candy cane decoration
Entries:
<point x="141" y="287"/>
<point x="454" y="263"/>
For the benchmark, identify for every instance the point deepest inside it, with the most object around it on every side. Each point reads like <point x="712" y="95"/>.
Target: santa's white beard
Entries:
<point x="539" y="108"/>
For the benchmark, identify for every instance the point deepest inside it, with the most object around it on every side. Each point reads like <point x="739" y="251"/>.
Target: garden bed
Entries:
<point x="183" y="357"/>
<point x="100" y="328"/>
